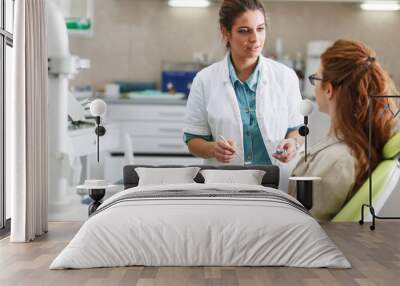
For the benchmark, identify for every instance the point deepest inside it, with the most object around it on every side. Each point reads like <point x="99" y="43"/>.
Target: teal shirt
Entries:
<point x="255" y="152"/>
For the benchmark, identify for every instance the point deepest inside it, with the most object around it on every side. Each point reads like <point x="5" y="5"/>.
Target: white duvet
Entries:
<point x="200" y="231"/>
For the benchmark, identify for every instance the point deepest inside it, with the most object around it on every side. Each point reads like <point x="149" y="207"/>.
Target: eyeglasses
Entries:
<point x="312" y="78"/>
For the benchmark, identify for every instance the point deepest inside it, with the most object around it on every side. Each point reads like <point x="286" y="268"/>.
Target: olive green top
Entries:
<point x="331" y="160"/>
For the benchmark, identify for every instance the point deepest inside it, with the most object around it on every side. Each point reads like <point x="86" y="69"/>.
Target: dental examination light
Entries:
<point x="64" y="165"/>
<point x="98" y="109"/>
<point x="306" y="108"/>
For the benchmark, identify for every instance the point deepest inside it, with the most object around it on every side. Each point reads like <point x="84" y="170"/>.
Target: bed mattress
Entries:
<point x="201" y="225"/>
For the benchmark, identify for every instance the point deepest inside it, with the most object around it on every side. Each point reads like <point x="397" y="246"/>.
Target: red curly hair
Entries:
<point x="354" y="73"/>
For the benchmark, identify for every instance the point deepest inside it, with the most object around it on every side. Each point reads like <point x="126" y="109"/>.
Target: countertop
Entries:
<point x="147" y="101"/>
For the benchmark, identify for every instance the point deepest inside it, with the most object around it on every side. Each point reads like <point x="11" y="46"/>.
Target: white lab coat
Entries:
<point x="212" y="107"/>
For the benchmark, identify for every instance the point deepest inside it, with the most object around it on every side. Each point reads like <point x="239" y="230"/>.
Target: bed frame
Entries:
<point x="270" y="179"/>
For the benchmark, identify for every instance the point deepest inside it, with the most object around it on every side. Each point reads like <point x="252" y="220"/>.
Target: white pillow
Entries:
<point x="248" y="177"/>
<point x="165" y="176"/>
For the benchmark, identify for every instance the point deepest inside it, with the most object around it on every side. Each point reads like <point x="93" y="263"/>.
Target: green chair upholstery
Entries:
<point x="380" y="177"/>
<point x="392" y="147"/>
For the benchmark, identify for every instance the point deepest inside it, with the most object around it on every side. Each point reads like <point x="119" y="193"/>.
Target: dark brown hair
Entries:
<point x="231" y="9"/>
<point x="354" y="72"/>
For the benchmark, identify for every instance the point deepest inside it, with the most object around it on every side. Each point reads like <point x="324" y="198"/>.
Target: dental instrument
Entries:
<point x="226" y="142"/>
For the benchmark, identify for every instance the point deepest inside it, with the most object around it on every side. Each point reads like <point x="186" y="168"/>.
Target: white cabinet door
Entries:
<point x="152" y="129"/>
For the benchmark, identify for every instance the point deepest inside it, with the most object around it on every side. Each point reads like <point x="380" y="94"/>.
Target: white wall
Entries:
<point x="133" y="37"/>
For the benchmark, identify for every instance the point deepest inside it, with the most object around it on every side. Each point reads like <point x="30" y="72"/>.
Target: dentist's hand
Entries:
<point x="224" y="152"/>
<point x="288" y="146"/>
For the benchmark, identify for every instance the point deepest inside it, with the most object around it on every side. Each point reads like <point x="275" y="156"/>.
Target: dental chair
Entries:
<point x="385" y="187"/>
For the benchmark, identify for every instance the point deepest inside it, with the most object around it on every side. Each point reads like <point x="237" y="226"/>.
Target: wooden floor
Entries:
<point x="375" y="257"/>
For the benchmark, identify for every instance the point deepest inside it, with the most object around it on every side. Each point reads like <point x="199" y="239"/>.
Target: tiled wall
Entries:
<point x="133" y="37"/>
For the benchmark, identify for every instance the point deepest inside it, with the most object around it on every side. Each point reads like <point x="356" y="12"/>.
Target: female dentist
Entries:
<point x="244" y="109"/>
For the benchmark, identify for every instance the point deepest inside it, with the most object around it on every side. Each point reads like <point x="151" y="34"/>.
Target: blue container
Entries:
<point x="128" y="86"/>
<point x="178" y="81"/>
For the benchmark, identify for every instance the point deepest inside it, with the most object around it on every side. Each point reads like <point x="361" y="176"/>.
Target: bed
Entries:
<point x="199" y="224"/>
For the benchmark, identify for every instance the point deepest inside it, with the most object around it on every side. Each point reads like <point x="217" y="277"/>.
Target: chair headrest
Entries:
<point x="392" y="147"/>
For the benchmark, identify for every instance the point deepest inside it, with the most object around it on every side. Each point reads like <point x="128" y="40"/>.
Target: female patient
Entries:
<point x="348" y="73"/>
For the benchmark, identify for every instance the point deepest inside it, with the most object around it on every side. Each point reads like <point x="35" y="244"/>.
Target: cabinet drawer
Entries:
<point x="122" y="112"/>
<point x="156" y="145"/>
<point x="155" y="129"/>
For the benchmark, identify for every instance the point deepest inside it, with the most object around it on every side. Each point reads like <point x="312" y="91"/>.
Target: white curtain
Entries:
<point x="27" y="123"/>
